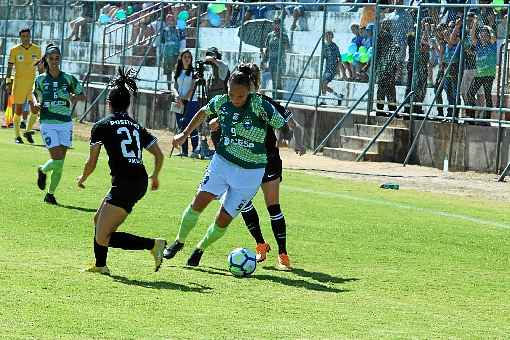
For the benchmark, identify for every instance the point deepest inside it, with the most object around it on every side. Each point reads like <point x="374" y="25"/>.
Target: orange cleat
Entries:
<point x="262" y="249"/>
<point x="284" y="262"/>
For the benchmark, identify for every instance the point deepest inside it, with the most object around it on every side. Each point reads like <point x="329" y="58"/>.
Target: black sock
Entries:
<point x="101" y="252"/>
<point x="251" y="219"/>
<point x="279" y="227"/>
<point x="130" y="242"/>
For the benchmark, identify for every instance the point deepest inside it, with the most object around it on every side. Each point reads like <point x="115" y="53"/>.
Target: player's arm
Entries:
<point x="90" y="165"/>
<point x="196" y="121"/>
<point x="155" y="150"/>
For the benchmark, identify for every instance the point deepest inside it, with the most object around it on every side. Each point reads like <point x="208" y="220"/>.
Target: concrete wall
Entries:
<point x="473" y="148"/>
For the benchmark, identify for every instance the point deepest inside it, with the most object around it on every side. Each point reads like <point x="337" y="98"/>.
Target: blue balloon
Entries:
<point x="356" y="56"/>
<point x="353" y="48"/>
<point x="104" y="19"/>
<point x="181" y="24"/>
<point x="370" y="51"/>
<point x="214" y="19"/>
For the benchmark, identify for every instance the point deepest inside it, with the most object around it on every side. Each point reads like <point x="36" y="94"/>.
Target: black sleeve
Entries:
<point x="146" y="138"/>
<point x="97" y="135"/>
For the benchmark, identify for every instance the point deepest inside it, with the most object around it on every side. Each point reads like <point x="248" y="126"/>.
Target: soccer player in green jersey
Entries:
<point x="236" y="170"/>
<point x="54" y="92"/>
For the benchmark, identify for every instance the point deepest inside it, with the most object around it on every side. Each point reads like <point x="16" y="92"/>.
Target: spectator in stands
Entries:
<point x="346" y="68"/>
<point x="469" y="69"/>
<point x="439" y="48"/>
<point x="271" y="55"/>
<point x="172" y="40"/>
<point x="386" y="67"/>
<point x="217" y="82"/>
<point x="140" y="27"/>
<point x="332" y="60"/>
<point x="484" y="43"/>
<point x="452" y="53"/>
<point x="402" y="21"/>
<point x="421" y="75"/>
<point x="298" y="15"/>
<point x="76" y="25"/>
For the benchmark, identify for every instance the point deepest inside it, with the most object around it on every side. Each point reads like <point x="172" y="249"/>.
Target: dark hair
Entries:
<point x="244" y="75"/>
<point x="180" y="65"/>
<point x="121" y="87"/>
<point x="23" y="30"/>
<point x="49" y="49"/>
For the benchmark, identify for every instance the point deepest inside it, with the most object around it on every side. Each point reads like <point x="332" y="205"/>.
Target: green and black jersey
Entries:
<point x="243" y="130"/>
<point x="54" y="95"/>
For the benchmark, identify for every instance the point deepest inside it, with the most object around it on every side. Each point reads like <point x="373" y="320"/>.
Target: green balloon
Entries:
<point x="183" y="15"/>
<point x="130" y="10"/>
<point x="349" y="58"/>
<point x="362" y="50"/>
<point x="363" y="58"/>
<point x="216" y="8"/>
<point x="499" y="4"/>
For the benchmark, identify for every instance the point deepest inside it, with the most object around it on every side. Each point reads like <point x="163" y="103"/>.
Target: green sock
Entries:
<point x="188" y="221"/>
<point x="56" y="175"/>
<point x="48" y="166"/>
<point x="213" y="234"/>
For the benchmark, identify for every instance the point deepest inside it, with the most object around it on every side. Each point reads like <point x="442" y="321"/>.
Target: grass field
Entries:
<point x="369" y="263"/>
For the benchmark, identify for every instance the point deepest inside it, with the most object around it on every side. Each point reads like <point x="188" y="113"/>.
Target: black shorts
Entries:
<point x="125" y="193"/>
<point x="273" y="169"/>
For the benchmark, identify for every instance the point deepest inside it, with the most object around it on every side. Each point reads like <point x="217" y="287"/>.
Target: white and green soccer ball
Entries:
<point x="242" y="262"/>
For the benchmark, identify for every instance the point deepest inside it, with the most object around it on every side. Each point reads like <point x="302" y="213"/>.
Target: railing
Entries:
<point x="298" y="76"/>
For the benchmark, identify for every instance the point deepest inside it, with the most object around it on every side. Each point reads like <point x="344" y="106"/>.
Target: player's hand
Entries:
<point x="214" y="125"/>
<point x="155" y="182"/>
<point x="35" y="108"/>
<point x="179" y="139"/>
<point x="79" y="181"/>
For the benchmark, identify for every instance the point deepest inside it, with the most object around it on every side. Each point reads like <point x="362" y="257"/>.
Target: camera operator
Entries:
<point x="217" y="83"/>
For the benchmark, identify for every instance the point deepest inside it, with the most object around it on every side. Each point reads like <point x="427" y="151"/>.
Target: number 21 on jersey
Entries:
<point x="128" y="140"/>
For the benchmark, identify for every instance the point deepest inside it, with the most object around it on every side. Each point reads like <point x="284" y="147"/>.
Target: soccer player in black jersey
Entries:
<point x="271" y="184"/>
<point x="123" y="139"/>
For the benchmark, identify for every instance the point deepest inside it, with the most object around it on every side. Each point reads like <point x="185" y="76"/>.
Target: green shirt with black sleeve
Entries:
<point x="243" y="130"/>
<point x="54" y="96"/>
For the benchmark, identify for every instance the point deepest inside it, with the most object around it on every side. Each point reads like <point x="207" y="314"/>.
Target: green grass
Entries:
<point x="370" y="263"/>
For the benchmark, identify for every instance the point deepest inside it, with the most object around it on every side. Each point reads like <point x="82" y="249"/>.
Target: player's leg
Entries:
<point x="271" y="189"/>
<point x="242" y="186"/>
<point x="213" y="184"/>
<point x="32" y="119"/>
<point x="251" y="219"/>
<point x="17" y="110"/>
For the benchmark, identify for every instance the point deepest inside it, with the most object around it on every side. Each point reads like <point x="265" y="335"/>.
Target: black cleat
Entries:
<point x="50" y="199"/>
<point x="172" y="249"/>
<point x="41" y="179"/>
<point x="28" y="136"/>
<point x="194" y="259"/>
<point x="18" y="140"/>
<point x="22" y="125"/>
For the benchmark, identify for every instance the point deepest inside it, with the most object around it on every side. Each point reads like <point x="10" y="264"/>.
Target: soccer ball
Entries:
<point x="242" y="262"/>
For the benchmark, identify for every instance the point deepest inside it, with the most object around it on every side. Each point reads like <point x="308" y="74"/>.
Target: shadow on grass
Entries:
<point x="278" y="279"/>
<point x="193" y="288"/>
<point x="72" y="207"/>
<point x="317" y="276"/>
<point x="36" y="145"/>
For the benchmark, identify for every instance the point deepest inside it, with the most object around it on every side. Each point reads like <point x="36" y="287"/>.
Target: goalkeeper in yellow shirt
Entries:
<point x="23" y="58"/>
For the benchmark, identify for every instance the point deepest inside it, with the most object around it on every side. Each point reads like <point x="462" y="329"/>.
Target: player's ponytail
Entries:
<point x="121" y="88"/>
<point x="243" y="75"/>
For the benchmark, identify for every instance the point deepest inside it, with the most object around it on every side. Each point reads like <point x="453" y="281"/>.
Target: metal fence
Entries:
<point x="454" y="58"/>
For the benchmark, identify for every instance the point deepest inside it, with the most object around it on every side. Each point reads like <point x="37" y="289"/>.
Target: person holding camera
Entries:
<point x="217" y="83"/>
<point x="186" y="102"/>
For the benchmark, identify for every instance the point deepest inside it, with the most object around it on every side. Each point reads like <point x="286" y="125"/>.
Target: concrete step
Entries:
<point x="364" y="130"/>
<point x="397" y="122"/>
<point x="360" y="143"/>
<point x="350" y="155"/>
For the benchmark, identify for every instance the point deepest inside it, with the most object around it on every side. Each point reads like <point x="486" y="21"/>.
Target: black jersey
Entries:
<point x="271" y="140"/>
<point x="123" y="139"/>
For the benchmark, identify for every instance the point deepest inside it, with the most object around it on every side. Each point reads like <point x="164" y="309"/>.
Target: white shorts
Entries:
<point x="235" y="186"/>
<point x="57" y="134"/>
